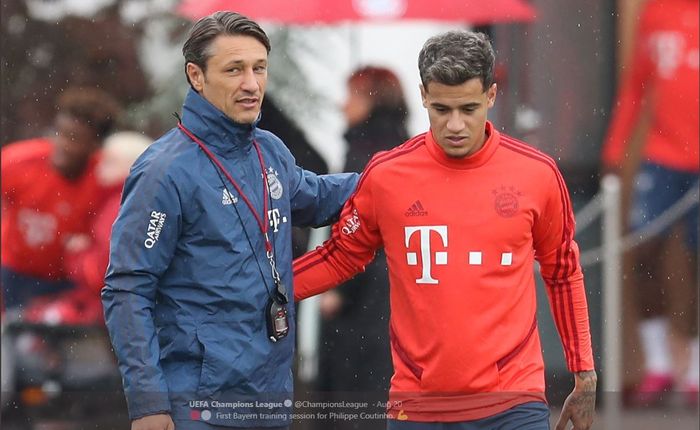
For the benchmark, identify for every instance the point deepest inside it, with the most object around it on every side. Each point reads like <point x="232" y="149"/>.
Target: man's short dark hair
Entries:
<point x="455" y="57"/>
<point x="92" y="107"/>
<point x="203" y="32"/>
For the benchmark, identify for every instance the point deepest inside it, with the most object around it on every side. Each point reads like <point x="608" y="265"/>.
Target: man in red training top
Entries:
<point x="49" y="193"/>
<point x="660" y="87"/>
<point x="462" y="212"/>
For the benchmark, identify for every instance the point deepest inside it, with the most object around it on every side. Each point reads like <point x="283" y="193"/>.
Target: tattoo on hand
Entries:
<point x="583" y="398"/>
<point x="583" y="404"/>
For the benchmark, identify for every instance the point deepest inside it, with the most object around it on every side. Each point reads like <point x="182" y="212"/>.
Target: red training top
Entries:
<point x="86" y="268"/>
<point x="663" y="74"/>
<point x="41" y="208"/>
<point x="461" y="237"/>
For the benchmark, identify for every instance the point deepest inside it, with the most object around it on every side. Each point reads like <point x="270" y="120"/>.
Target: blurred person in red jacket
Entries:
<point x="661" y="88"/>
<point x="49" y="192"/>
<point x="87" y="256"/>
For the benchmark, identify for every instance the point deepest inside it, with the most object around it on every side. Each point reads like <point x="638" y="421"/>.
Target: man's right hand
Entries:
<point x="153" y="422"/>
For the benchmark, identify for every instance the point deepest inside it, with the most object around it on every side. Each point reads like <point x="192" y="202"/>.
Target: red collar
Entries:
<point x="479" y="158"/>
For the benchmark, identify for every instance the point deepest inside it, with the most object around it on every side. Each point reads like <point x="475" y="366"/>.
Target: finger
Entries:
<point x="579" y="425"/>
<point x="563" y="420"/>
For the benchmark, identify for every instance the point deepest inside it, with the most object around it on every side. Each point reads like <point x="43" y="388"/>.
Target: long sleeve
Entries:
<point x="13" y="169"/>
<point x="6" y="186"/>
<point x="317" y="199"/>
<point x="558" y="255"/>
<point x="144" y="238"/>
<point x="87" y="267"/>
<point x="628" y="102"/>
<point x="351" y="246"/>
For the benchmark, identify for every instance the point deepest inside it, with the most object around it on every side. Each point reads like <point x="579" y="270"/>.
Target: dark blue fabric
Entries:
<point x="527" y="416"/>
<point x="18" y="289"/>
<point x="188" y="278"/>
<point x="656" y="188"/>
<point x="202" y="425"/>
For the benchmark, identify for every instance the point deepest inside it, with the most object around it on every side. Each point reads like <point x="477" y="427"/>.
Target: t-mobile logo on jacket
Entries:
<point x="429" y="255"/>
<point x="426" y="254"/>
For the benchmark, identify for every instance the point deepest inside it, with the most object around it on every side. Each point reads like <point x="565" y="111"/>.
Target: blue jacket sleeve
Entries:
<point x="144" y="237"/>
<point x="316" y="200"/>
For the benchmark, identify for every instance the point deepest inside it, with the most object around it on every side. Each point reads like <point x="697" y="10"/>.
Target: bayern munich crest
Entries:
<point x="274" y="184"/>
<point x="506" y="201"/>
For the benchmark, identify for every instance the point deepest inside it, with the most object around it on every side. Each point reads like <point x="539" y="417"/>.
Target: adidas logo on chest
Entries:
<point x="228" y="198"/>
<point x="416" y="209"/>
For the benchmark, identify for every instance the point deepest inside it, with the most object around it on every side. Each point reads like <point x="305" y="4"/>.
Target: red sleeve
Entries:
<point x="6" y="176"/>
<point x="352" y="245"/>
<point x="13" y="159"/>
<point x="10" y="156"/>
<point x="87" y="268"/>
<point x="558" y="255"/>
<point x="629" y="99"/>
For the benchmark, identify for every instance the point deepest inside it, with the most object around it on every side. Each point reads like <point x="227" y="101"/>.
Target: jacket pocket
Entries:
<point x="221" y="353"/>
<point x="415" y="369"/>
<point x="232" y="360"/>
<point x="177" y="343"/>
<point x="519" y="347"/>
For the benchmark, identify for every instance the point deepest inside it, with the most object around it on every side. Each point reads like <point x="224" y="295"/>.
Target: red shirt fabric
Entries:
<point x="87" y="268"/>
<point x="663" y="74"/>
<point x="41" y="208"/>
<point x="461" y="237"/>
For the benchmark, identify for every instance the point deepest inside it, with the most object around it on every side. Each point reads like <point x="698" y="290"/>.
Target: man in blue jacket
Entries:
<point x="198" y="290"/>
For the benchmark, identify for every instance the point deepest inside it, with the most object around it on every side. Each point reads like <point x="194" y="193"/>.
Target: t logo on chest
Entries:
<point x="428" y="256"/>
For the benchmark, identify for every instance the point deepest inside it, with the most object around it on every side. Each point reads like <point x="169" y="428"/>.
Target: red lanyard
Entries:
<point x="263" y="225"/>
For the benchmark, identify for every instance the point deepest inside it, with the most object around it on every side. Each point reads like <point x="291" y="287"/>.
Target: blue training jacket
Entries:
<point x="188" y="278"/>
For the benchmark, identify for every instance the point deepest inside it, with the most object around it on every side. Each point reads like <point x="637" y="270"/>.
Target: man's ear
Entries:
<point x="492" y="91"/>
<point x="423" y="95"/>
<point x="196" y="75"/>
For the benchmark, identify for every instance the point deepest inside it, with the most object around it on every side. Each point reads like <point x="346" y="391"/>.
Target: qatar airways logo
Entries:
<point x="352" y="224"/>
<point x="155" y="226"/>
<point x="430" y="257"/>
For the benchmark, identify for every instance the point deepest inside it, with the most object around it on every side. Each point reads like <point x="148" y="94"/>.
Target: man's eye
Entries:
<point x="260" y="69"/>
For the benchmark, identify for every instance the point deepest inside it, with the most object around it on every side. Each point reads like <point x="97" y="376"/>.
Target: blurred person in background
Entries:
<point x="276" y="121"/>
<point x="659" y="97"/>
<point x="376" y="113"/>
<point x="198" y="288"/>
<point x="462" y="212"/>
<point x="87" y="255"/>
<point x="274" y="118"/>
<point x="354" y="353"/>
<point x="49" y="193"/>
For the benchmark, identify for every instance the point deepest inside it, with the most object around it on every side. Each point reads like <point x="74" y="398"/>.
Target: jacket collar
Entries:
<point x="477" y="159"/>
<point x="213" y="127"/>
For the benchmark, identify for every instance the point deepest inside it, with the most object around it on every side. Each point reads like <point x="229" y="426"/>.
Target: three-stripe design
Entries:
<point x="562" y="300"/>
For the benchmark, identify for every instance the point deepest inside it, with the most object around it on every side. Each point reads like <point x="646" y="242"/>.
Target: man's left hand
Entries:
<point x="579" y="407"/>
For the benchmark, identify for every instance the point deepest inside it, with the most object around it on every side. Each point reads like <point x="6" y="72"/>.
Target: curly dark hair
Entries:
<point x="92" y="106"/>
<point x="455" y="57"/>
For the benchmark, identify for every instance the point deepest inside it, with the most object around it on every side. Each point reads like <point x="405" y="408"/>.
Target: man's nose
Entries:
<point x="455" y="123"/>
<point x="250" y="81"/>
<point x="63" y="141"/>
